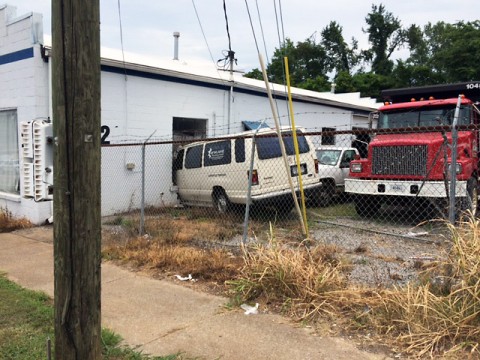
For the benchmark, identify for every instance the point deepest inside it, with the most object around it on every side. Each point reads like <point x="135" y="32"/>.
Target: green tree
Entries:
<point x="441" y="53"/>
<point x="455" y="50"/>
<point x="385" y="36"/>
<point x="370" y="84"/>
<point x="307" y="61"/>
<point x="340" y="57"/>
<point x="344" y="82"/>
<point x="254" y="74"/>
<point x="438" y="53"/>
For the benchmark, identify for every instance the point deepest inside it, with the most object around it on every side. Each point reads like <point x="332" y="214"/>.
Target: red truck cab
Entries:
<point x="410" y="154"/>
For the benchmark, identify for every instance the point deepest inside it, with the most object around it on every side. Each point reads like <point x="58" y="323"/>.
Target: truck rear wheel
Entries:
<point x="367" y="206"/>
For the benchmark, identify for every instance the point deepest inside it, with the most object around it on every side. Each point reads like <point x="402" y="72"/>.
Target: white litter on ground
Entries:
<point x="424" y="233"/>
<point x="250" y="309"/>
<point x="184" y="278"/>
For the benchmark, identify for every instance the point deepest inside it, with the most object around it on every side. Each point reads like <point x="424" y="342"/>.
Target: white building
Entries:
<point x="139" y="97"/>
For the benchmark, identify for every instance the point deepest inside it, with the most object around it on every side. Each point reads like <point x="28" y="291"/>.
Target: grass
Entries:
<point x="155" y="255"/>
<point x="8" y="222"/>
<point x="339" y="209"/>
<point x="437" y="316"/>
<point x="187" y="242"/>
<point x="26" y="322"/>
<point x="310" y="282"/>
<point x="442" y="313"/>
<point x="297" y="277"/>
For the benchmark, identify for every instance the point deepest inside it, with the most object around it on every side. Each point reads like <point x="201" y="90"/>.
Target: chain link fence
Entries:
<point x="382" y="198"/>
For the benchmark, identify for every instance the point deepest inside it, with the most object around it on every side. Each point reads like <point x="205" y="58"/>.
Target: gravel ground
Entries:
<point x="382" y="253"/>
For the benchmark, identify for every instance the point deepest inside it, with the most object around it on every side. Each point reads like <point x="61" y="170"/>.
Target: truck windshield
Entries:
<point x="430" y="116"/>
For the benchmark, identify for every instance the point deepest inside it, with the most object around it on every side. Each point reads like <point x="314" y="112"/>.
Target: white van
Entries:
<point x="215" y="172"/>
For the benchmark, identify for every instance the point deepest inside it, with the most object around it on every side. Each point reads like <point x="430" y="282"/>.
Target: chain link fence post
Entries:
<point x="453" y="165"/>
<point x="142" y="204"/>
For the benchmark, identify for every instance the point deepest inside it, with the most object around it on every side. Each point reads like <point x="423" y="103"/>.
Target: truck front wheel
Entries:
<point x="367" y="206"/>
<point x="470" y="202"/>
<point x="326" y="193"/>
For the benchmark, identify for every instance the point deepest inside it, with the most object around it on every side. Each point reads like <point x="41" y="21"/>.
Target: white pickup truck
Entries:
<point x="333" y="168"/>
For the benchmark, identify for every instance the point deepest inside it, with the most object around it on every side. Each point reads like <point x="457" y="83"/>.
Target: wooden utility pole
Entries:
<point x="77" y="224"/>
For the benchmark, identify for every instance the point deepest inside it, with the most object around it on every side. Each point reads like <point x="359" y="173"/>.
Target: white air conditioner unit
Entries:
<point x="37" y="147"/>
<point x="26" y="134"/>
<point x="28" y="185"/>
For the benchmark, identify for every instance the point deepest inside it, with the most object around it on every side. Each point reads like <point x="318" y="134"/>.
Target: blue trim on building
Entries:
<point x="16" y="56"/>
<point x="205" y="84"/>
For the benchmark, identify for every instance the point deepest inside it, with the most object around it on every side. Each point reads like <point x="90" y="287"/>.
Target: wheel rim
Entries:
<point x="221" y="204"/>
<point x="474" y="200"/>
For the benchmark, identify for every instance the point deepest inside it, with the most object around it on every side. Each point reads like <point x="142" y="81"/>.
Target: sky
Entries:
<point x="147" y="26"/>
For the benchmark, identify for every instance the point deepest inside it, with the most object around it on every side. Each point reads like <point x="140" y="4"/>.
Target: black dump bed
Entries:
<point x="471" y="90"/>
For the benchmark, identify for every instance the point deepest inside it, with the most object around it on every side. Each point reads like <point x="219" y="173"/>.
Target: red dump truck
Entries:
<point x="410" y="152"/>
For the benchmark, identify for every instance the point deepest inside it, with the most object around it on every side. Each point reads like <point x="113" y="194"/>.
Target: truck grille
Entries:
<point x="400" y="160"/>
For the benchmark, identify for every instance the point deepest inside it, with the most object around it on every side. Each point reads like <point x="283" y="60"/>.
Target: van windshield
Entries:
<point x="328" y="157"/>
<point x="269" y="147"/>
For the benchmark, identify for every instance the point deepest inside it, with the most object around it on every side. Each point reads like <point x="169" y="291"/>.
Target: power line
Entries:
<point x="229" y="57"/>
<point x="282" y="46"/>
<point x="121" y="38"/>
<point x="226" y="22"/>
<point x="263" y="34"/>
<point x="251" y="25"/>
<point x="203" y="32"/>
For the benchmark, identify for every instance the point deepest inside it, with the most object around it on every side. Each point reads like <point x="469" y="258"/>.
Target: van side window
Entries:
<point x="290" y="147"/>
<point x="269" y="147"/>
<point x="178" y="162"/>
<point x="193" y="157"/>
<point x="218" y="153"/>
<point x="240" y="150"/>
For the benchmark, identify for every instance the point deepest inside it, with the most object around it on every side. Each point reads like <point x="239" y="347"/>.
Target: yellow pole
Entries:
<point x="295" y="143"/>
<point x="282" y="145"/>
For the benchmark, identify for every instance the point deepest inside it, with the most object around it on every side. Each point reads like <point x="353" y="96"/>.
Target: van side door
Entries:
<point x="217" y="168"/>
<point x="189" y="184"/>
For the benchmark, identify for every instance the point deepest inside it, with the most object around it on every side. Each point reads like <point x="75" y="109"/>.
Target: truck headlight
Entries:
<point x="356" y="167"/>
<point x="458" y="168"/>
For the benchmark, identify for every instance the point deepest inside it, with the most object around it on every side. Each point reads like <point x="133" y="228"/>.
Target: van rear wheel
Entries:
<point x="221" y="202"/>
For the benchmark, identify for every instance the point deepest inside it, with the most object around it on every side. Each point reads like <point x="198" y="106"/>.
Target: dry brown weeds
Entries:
<point x="437" y="316"/>
<point x="167" y="259"/>
<point x="8" y="222"/>
<point x="442" y="314"/>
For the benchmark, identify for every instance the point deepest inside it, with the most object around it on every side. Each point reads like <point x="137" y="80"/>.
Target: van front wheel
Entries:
<point x="221" y="202"/>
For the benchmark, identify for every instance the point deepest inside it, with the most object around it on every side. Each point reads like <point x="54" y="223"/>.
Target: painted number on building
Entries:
<point x="105" y="132"/>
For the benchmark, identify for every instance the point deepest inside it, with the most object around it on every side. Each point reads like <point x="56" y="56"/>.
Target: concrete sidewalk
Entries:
<point x="164" y="318"/>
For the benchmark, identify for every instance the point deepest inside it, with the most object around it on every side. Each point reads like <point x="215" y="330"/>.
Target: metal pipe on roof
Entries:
<point x="176" y="36"/>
